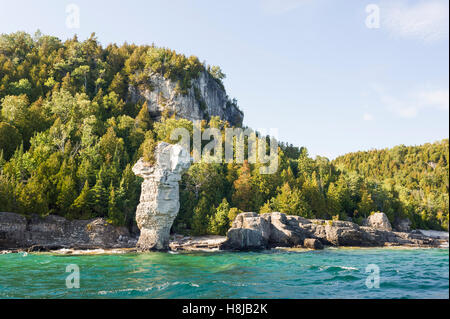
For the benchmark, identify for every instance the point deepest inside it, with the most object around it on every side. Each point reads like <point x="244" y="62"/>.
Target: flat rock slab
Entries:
<point x="200" y="243"/>
<point x="434" y="233"/>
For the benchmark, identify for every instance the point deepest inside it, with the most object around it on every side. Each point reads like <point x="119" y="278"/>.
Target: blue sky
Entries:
<point x="310" y="68"/>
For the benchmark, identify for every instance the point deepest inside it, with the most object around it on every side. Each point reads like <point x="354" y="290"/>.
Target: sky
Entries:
<point x="333" y="76"/>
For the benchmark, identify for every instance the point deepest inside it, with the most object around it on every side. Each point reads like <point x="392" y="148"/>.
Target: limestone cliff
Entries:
<point x="205" y="98"/>
<point x="55" y="232"/>
<point x="159" y="203"/>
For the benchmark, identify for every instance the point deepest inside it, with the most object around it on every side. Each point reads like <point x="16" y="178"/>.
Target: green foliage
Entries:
<point x="219" y="222"/>
<point x="148" y="149"/>
<point x="404" y="182"/>
<point x="217" y="74"/>
<point x="7" y="194"/>
<point x="10" y="139"/>
<point x="232" y="213"/>
<point x="171" y="65"/>
<point x="115" y="214"/>
<point x="245" y="190"/>
<point x="288" y="201"/>
<point x="23" y="86"/>
<point x="83" y="203"/>
<point x="201" y="217"/>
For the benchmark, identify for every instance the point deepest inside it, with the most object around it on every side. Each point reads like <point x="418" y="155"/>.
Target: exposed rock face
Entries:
<point x="55" y="232"/>
<point x="378" y="221"/>
<point x="205" y="98"/>
<point x="199" y="243"/>
<point x="244" y="239"/>
<point x="159" y="203"/>
<point x="13" y="229"/>
<point x="313" y="243"/>
<point x="251" y="231"/>
<point x="432" y="233"/>
<point x="403" y="225"/>
<point x="285" y="230"/>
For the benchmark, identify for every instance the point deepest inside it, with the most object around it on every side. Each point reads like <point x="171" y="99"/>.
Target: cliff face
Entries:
<point x="205" y="98"/>
<point x="55" y="232"/>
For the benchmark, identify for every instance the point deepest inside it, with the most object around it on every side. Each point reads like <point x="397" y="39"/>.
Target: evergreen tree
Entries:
<point x="99" y="198"/>
<point x="288" y="201"/>
<point x="365" y="206"/>
<point x="66" y="194"/>
<point x="201" y="217"/>
<point x="232" y="213"/>
<point x="143" y="120"/>
<point x="244" y="190"/>
<point x="83" y="204"/>
<point x="115" y="214"/>
<point x="334" y="202"/>
<point x="219" y="222"/>
<point x="10" y="139"/>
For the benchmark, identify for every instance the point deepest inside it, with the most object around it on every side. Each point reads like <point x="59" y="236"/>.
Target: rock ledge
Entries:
<point x="251" y="231"/>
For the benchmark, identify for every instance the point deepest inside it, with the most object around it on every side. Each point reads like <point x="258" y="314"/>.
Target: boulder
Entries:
<point x="251" y="232"/>
<point x="312" y="243"/>
<point x="253" y="221"/>
<point x="284" y="230"/>
<point x="317" y="230"/>
<point x="378" y="221"/>
<point x="159" y="202"/>
<point x="244" y="239"/>
<point x="344" y="235"/>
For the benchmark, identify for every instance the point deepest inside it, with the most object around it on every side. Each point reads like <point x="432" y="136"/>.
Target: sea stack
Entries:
<point x="159" y="203"/>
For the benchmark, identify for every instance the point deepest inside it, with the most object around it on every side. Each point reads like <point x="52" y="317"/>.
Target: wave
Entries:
<point x="342" y="278"/>
<point x="147" y="289"/>
<point x="333" y="268"/>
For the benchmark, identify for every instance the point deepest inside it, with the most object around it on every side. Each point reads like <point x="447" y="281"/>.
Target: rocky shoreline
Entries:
<point x="250" y="231"/>
<point x="54" y="232"/>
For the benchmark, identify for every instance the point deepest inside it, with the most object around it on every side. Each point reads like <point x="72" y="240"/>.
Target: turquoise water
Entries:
<point x="331" y="273"/>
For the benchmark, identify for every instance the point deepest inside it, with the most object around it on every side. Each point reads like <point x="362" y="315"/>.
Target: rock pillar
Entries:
<point x="159" y="203"/>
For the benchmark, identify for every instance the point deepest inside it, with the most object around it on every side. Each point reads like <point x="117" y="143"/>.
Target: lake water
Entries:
<point x="331" y="273"/>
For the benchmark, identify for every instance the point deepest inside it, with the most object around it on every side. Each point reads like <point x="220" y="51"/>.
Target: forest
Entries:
<point x="69" y="136"/>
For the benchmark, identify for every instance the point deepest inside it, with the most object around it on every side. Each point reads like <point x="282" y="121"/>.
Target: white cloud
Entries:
<point x="437" y="98"/>
<point x="412" y="103"/>
<point x="426" y="21"/>
<point x="367" y="117"/>
<point x="280" y="6"/>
